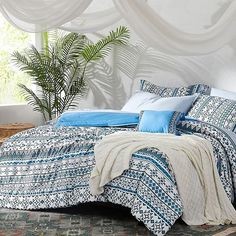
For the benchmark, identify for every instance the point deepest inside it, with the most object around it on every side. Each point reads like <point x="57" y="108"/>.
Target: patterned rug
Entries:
<point x="92" y="219"/>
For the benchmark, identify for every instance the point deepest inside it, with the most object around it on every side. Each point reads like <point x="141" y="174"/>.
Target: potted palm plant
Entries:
<point x="59" y="72"/>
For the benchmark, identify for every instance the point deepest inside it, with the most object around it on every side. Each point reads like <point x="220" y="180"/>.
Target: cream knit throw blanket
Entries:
<point x="191" y="157"/>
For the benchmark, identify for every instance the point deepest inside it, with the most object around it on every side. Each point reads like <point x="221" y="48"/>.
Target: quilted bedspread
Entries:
<point x="48" y="167"/>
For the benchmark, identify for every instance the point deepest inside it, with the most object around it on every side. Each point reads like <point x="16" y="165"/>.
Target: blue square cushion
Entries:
<point x="159" y="121"/>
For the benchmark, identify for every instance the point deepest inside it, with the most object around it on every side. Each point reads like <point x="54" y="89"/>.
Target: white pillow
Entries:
<point x="148" y="101"/>
<point x="223" y="93"/>
<point x="180" y="104"/>
<point x="137" y="100"/>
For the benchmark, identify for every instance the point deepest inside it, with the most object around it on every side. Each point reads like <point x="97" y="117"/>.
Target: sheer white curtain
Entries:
<point x="158" y="33"/>
<point x="41" y="15"/>
<point x="154" y="29"/>
<point x="93" y="22"/>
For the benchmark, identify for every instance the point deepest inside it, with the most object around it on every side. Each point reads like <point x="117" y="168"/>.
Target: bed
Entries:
<point x="49" y="167"/>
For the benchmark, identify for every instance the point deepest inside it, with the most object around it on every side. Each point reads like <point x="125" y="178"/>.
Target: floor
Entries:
<point x="92" y="219"/>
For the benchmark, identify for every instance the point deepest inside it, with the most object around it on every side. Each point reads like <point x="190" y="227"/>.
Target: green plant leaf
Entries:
<point x="102" y="48"/>
<point x="59" y="71"/>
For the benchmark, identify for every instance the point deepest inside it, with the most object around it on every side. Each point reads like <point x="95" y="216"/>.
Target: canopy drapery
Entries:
<point x="41" y="15"/>
<point x="93" y="22"/>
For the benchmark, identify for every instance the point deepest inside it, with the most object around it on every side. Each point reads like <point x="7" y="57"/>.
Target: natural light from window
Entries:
<point x="12" y="39"/>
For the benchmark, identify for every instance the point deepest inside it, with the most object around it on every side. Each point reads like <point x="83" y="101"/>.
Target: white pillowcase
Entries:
<point x="137" y="100"/>
<point x="180" y="104"/>
<point x="223" y="93"/>
<point x="144" y="101"/>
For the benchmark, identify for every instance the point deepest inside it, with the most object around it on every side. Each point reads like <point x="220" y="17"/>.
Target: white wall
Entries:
<point x="19" y="113"/>
<point x="120" y="76"/>
<point x="217" y="69"/>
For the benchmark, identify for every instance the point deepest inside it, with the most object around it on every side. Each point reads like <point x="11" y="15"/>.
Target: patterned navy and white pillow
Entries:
<point x="147" y="86"/>
<point x="159" y="121"/>
<point x="215" y="110"/>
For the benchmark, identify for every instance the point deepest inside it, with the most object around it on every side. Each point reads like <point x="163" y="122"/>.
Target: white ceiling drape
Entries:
<point x="152" y="27"/>
<point x="41" y="15"/>
<point x="158" y="33"/>
<point x="93" y="22"/>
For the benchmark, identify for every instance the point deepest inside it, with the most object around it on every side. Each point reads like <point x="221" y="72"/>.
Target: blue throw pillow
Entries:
<point x="159" y="121"/>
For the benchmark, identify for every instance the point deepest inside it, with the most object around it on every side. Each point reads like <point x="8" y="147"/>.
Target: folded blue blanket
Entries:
<point x="97" y="119"/>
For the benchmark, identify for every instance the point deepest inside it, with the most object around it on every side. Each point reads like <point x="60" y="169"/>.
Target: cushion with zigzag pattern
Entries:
<point x="215" y="110"/>
<point x="147" y="86"/>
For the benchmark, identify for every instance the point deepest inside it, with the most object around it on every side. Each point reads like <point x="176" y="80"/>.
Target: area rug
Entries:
<point x="92" y="219"/>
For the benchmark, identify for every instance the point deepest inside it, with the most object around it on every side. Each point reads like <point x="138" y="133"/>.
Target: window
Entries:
<point x="12" y="39"/>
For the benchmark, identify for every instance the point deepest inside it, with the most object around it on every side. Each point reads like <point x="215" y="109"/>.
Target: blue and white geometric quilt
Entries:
<point x="50" y="167"/>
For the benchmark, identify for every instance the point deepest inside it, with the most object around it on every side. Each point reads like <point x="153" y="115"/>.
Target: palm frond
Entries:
<point x="33" y="99"/>
<point x="69" y="47"/>
<point x="59" y="72"/>
<point x="103" y="46"/>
